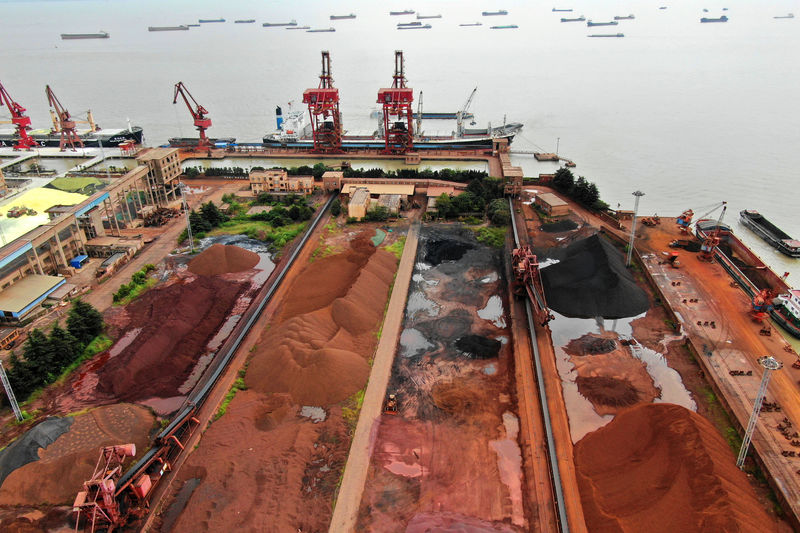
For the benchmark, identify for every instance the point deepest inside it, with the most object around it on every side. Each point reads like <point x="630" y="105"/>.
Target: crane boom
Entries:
<point x="198" y="112"/>
<point x="463" y="111"/>
<point x="19" y="119"/>
<point x="63" y="122"/>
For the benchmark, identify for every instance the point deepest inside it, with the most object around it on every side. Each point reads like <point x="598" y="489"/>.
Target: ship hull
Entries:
<point x="90" y="140"/>
<point x="373" y="143"/>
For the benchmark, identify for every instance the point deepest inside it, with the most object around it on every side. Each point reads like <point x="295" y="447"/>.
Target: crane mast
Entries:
<point x="462" y="112"/>
<point x="712" y="240"/>
<point x="323" y="109"/>
<point x="18" y="119"/>
<point x="398" y="114"/>
<point x="63" y="123"/>
<point x="198" y="112"/>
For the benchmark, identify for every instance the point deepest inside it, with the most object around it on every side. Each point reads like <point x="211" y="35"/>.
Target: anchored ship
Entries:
<point x="205" y="21"/>
<point x="607" y="35"/>
<point x="244" y="21"/>
<point x="182" y="27"/>
<point x="101" y="35"/>
<point x="610" y="23"/>
<point x="420" y="17"/>
<point x="578" y="19"/>
<point x="557" y="10"/>
<point x="628" y="17"/>
<point x="494" y="13"/>
<point x="321" y="30"/>
<point x="404" y="12"/>
<point x="276" y="24"/>
<point x="422" y="27"/>
<point x="504" y="27"/>
<point x="770" y="232"/>
<point x="472" y="24"/>
<point x="343" y="17"/>
<point x="401" y="24"/>
<point x="295" y="132"/>
<point x="723" y="18"/>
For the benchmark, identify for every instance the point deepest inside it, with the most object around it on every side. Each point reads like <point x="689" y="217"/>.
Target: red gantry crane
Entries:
<point x="323" y="108"/>
<point x="198" y="112"/>
<point x="712" y="239"/>
<point x="397" y="111"/>
<point x="63" y="122"/>
<point x="527" y="279"/>
<point x="18" y="119"/>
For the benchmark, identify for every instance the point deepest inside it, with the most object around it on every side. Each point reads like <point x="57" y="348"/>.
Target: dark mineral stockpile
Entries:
<point x="590" y="280"/>
<point x="661" y="467"/>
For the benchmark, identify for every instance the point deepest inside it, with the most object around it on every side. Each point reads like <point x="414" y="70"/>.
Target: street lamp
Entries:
<point x="188" y="222"/>
<point x="769" y="363"/>
<point x="637" y="194"/>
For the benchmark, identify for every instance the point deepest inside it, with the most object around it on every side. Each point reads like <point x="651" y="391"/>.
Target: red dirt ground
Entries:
<point x="262" y="466"/>
<point x="661" y="467"/>
<point x="64" y="465"/>
<point x="177" y="322"/>
<point x="222" y="259"/>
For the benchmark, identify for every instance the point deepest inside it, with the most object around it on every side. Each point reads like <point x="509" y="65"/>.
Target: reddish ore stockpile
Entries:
<point x="314" y="353"/>
<point x="68" y="461"/>
<point x="177" y="322"/>
<point x="222" y="259"/>
<point x="661" y="467"/>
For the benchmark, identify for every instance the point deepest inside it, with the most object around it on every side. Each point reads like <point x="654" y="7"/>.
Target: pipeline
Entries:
<point x="180" y="424"/>
<point x="548" y="428"/>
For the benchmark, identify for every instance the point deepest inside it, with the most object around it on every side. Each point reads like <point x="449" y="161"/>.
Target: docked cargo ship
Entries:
<point x="753" y="275"/>
<point x="107" y="137"/>
<point x="182" y="27"/>
<point x="770" y="232"/>
<point x="100" y="35"/>
<point x="295" y="132"/>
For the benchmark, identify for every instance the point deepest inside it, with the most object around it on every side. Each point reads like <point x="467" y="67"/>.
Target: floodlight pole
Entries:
<point x="188" y="222"/>
<point x="637" y="194"/>
<point x="10" y="393"/>
<point x="769" y="363"/>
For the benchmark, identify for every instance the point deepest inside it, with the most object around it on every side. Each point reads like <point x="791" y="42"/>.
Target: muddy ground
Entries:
<point x="449" y="457"/>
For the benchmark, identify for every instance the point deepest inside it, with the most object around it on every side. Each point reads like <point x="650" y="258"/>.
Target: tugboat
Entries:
<point x="786" y="311"/>
<point x="770" y="232"/>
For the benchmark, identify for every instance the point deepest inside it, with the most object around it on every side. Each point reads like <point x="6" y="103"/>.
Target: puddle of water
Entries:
<point x="509" y="463"/>
<point x="490" y="278"/>
<point x="404" y="469"/>
<point x="164" y="406"/>
<point x="490" y="369"/>
<point x="226" y="329"/>
<point x="413" y="342"/>
<point x="124" y="342"/>
<point x="493" y="312"/>
<point x="264" y="268"/>
<point x="197" y="372"/>
<point x="316" y="414"/>
<point x="665" y="378"/>
<point x="418" y="302"/>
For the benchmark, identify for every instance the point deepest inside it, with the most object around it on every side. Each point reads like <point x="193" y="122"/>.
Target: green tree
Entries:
<point x="38" y="354"/>
<point x="563" y="180"/>
<point x="336" y="208"/>
<point x="444" y="205"/>
<point x="84" y="322"/>
<point x="64" y="346"/>
<point x="212" y="214"/>
<point x="378" y="214"/>
<point x="318" y="170"/>
<point x="198" y="222"/>
<point x="294" y="213"/>
<point x="464" y="202"/>
<point x="498" y="212"/>
<point x="23" y="379"/>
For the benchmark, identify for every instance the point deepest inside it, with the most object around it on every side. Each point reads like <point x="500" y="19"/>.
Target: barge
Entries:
<point x="768" y="231"/>
<point x="191" y="142"/>
<point x="182" y="27"/>
<point x="101" y="35"/>
<point x="109" y="138"/>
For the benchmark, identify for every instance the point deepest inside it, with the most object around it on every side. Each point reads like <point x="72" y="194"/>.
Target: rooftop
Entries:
<point x="156" y="153"/>
<point x="380" y="188"/>
<point x="27" y="292"/>
<point x="551" y="199"/>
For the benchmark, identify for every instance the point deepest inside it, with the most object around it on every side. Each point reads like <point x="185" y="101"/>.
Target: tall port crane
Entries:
<point x="462" y="112"/>
<point x="63" y="123"/>
<point x="18" y="119"/>
<point x="323" y="108"/>
<point x="398" y="114"/>
<point x="712" y="239"/>
<point x="198" y="112"/>
<point x="527" y="279"/>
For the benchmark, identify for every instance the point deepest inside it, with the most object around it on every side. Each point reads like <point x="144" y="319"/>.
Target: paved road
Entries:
<point x="355" y="474"/>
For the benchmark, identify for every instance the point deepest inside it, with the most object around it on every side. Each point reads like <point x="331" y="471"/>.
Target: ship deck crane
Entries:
<point x="418" y="127"/>
<point x="198" y="112"/>
<point x="63" y="123"/>
<point x="398" y="114"/>
<point x="323" y="109"/>
<point x="462" y="112"/>
<point x="712" y="239"/>
<point x="18" y="119"/>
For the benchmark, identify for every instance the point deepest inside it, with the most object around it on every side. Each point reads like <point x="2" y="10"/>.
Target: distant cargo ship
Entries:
<point x="787" y="16"/>
<point x="101" y="35"/>
<point x="723" y="18"/>
<point x="494" y="13"/>
<point x="578" y="19"/>
<point x="321" y="30"/>
<point x="244" y="21"/>
<point x="770" y="232"/>
<point x="298" y="27"/>
<point x="611" y="23"/>
<point x="205" y="21"/>
<point x="627" y="17"/>
<point x="343" y="17"/>
<point x="421" y="17"/>
<point x="405" y="12"/>
<point x="504" y="27"/>
<point x="193" y="25"/>
<point x="423" y="27"/>
<point x="409" y="24"/>
<point x="108" y="137"/>
<point x="557" y="10"/>
<point x="182" y="27"/>
<point x="607" y="35"/>
<point x="472" y="24"/>
<point x="276" y="24"/>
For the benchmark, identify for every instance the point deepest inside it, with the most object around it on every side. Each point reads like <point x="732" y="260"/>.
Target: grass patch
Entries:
<point x="491" y="235"/>
<point x="397" y="247"/>
<point x="351" y="409"/>
<point x="260" y="230"/>
<point x="237" y="386"/>
<point x="99" y="344"/>
<point x="137" y="291"/>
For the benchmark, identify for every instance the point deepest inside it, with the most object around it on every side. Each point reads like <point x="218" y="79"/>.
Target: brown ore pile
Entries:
<point x="661" y="467"/>
<point x="67" y="462"/>
<point x="176" y="321"/>
<point x="222" y="259"/>
<point x="284" y="466"/>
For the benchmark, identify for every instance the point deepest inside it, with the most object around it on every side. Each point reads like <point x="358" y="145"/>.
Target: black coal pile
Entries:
<point x="25" y="449"/>
<point x="560" y="226"/>
<point x="437" y="251"/>
<point x="590" y="280"/>
<point x="478" y="346"/>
